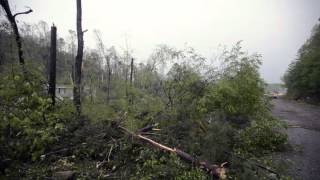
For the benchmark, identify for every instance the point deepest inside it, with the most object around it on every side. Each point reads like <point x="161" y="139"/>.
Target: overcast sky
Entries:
<point x="274" y="28"/>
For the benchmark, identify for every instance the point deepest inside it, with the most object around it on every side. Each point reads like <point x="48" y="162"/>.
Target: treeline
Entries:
<point x="303" y="75"/>
<point x="215" y="113"/>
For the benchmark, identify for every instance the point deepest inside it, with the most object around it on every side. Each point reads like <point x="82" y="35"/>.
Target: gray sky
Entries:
<point x="274" y="28"/>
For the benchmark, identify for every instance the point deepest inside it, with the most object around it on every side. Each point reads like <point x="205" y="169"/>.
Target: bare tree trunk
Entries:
<point x="131" y="79"/>
<point x="12" y="20"/>
<point x="109" y="79"/>
<point x="78" y="61"/>
<point x="52" y="69"/>
<point x="131" y="72"/>
<point x="126" y="79"/>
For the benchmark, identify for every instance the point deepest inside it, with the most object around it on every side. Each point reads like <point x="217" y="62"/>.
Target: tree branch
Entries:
<point x="25" y="12"/>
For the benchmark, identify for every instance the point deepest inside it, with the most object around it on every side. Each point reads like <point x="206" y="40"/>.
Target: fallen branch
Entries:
<point x="215" y="170"/>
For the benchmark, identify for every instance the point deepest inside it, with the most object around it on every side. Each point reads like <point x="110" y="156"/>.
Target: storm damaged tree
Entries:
<point x="52" y="68"/>
<point x="78" y="61"/>
<point x="12" y="19"/>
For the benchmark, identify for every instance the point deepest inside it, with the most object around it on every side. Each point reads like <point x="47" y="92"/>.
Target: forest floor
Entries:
<point x="304" y="136"/>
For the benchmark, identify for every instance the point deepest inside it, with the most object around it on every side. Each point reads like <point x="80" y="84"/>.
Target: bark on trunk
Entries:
<point x="78" y="61"/>
<point x="12" y="20"/>
<point x="52" y="69"/>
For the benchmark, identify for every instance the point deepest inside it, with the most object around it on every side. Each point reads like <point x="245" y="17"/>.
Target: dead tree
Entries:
<point x="12" y="19"/>
<point x="131" y="79"/>
<point x="52" y="67"/>
<point x="109" y="79"/>
<point x="125" y="66"/>
<point x="131" y="72"/>
<point x="78" y="61"/>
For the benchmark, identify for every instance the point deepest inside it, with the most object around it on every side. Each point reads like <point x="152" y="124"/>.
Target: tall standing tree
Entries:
<point x="12" y="19"/>
<point x="78" y="61"/>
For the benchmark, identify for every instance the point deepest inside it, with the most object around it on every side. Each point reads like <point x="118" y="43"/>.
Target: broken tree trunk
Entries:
<point x="12" y="19"/>
<point x="78" y="61"/>
<point x="52" y="67"/>
<point x="214" y="170"/>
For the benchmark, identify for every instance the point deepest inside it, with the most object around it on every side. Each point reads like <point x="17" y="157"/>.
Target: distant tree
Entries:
<point x="91" y="73"/>
<point x="106" y="56"/>
<point x="72" y="50"/>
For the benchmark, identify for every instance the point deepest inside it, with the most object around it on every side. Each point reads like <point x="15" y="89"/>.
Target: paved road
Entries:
<point x="304" y="134"/>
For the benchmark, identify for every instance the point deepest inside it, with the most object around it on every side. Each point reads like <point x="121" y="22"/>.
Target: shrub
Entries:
<point x="29" y="123"/>
<point x="262" y="137"/>
<point x="155" y="165"/>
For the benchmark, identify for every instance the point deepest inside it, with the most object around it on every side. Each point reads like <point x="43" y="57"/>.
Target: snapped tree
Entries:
<point x="52" y="67"/>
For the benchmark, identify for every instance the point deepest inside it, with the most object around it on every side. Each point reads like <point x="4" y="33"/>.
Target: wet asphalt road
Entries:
<point x="304" y="134"/>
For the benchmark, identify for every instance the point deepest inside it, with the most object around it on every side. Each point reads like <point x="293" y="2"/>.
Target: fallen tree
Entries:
<point x="216" y="171"/>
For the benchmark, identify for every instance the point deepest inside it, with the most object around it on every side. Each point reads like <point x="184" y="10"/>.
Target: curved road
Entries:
<point x="304" y="134"/>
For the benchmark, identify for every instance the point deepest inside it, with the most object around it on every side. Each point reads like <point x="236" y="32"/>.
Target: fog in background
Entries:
<point x="274" y="28"/>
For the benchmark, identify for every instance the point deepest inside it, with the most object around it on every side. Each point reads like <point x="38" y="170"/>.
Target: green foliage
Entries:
<point x="164" y="166"/>
<point x="184" y="88"/>
<point x="219" y="138"/>
<point x="199" y="109"/>
<point x="262" y="137"/>
<point x="29" y="124"/>
<point x="98" y="112"/>
<point x="239" y="91"/>
<point x="302" y="76"/>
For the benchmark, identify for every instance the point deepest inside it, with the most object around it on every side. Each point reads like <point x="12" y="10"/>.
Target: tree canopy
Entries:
<point x="303" y="75"/>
